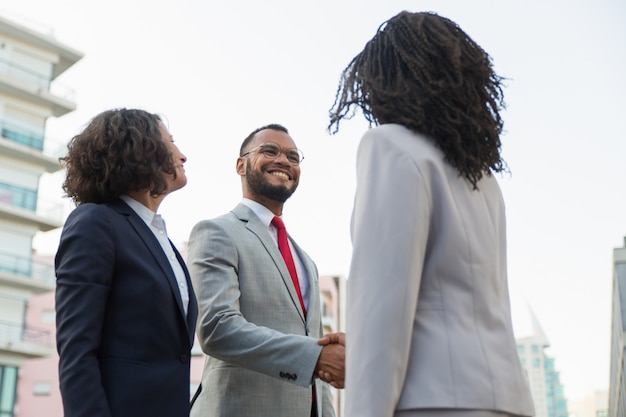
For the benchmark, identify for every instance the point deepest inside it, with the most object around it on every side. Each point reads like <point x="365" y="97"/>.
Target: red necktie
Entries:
<point x="283" y="247"/>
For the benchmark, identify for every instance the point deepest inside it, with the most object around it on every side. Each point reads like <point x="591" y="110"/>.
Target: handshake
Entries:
<point x="331" y="364"/>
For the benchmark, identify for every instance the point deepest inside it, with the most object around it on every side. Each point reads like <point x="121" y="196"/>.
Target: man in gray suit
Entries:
<point x="259" y="326"/>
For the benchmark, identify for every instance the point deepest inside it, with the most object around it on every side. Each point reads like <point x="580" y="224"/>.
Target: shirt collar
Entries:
<point x="262" y="212"/>
<point x="142" y="211"/>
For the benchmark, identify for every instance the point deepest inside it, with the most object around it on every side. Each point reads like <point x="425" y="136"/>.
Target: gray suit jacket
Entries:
<point x="428" y="315"/>
<point x="262" y="352"/>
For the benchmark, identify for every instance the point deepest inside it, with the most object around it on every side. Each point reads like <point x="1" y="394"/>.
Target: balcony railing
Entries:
<point x="39" y="80"/>
<point x="27" y="267"/>
<point x="32" y="139"/>
<point x="17" y="331"/>
<point x="18" y="196"/>
<point x="23" y="136"/>
<point x="28" y="199"/>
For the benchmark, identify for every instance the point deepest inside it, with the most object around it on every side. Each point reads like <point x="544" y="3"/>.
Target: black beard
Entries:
<point x="259" y="186"/>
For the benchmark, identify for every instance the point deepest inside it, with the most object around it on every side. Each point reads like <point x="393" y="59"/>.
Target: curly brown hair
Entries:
<point x="119" y="151"/>
<point x="422" y="71"/>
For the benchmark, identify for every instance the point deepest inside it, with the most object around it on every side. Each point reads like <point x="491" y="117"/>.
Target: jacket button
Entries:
<point x="183" y="358"/>
<point x="287" y="375"/>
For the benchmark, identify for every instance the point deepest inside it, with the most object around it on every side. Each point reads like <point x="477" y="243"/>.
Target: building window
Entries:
<point x="536" y="362"/>
<point x="535" y="349"/>
<point x="48" y="316"/>
<point x="42" y="388"/>
<point x="8" y="382"/>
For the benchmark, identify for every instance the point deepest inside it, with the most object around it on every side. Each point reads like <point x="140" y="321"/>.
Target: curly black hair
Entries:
<point x="119" y="151"/>
<point x="422" y="71"/>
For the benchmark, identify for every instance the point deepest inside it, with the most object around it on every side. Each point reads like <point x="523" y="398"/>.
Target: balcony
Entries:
<point x="18" y="196"/>
<point x="26" y="341"/>
<point x="26" y="273"/>
<point x="13" y="144"/>
<point x="24" y="136"/>
<point x="18" y="204"/>
<point x="23" y="83"/>
<point x="43" y="37"/>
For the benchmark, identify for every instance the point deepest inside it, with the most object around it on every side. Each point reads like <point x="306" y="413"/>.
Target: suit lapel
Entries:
<point x="254" y="225"/>
<point x="311" y="275"/>
<point x="192" y="307"/>
<point x="154" y="247"/>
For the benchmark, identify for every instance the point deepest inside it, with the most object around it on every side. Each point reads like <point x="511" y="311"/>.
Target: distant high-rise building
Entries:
<point x="617" y="382"/>
<point x="544" y="379"/>
<point x="594" y="404"/>
<point x="30" y="62"/>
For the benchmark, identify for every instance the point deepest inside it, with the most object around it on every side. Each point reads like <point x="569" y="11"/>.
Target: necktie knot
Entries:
<point x="277" y="222"/>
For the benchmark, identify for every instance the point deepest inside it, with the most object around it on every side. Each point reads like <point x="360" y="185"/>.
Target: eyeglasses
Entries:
<point x="271" y="150"/>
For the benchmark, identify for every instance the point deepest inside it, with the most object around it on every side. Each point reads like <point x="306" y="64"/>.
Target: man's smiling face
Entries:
<point x="273" y="179"/>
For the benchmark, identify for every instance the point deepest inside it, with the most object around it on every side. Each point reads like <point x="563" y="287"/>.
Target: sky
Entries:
<point x="218" y="69"/>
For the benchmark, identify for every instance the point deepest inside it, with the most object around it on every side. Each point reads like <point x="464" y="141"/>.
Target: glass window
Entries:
<point x="8" y="382"/>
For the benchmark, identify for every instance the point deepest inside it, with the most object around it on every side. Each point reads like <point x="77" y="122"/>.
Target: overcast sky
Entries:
<point x="219" y="69"/>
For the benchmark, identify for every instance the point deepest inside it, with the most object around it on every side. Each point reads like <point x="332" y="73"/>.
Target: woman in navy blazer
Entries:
<point x="126" y="311"/>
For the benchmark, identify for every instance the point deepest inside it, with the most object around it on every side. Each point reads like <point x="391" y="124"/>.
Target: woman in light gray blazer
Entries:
<point x="429" y="328"/>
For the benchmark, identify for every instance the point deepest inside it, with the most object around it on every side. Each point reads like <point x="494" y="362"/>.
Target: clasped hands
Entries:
<point x="331" y="364"/>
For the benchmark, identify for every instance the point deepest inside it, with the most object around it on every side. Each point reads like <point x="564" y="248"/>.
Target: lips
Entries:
<point x="279" y="174"/>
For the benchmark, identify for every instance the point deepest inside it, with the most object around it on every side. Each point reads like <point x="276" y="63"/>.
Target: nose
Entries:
<point x="282" y="158"/>
<point x="183" y="157"/>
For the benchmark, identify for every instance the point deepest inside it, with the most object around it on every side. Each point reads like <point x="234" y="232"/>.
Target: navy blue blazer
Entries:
<point x="123" y="339"/>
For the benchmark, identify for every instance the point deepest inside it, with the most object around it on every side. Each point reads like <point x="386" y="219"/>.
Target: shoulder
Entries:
<point x="220" y="221"/>
<point x="91" y="212"/>
<point x="395" y="147"/>
<point x="225" y="225"/>
<point x="397" y="138"/>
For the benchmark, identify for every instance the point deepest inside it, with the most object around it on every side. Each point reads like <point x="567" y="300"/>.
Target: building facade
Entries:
<point x="594" y="404"/>
<point x="617" y="382"/>
<point x="543" y="377"/>
<point x="30" y="61"/>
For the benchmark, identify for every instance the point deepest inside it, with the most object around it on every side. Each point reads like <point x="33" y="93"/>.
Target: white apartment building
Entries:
<point x="30" y="61"/>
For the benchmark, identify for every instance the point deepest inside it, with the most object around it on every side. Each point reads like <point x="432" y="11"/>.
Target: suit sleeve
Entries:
<point x="390" y="222"/>
<point x="223" y="332"/>
<point x="84" y="267"/>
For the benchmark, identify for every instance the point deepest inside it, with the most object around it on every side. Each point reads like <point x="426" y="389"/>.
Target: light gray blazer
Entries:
<point x="428" y="314"/>
<point x="262" y="352"/>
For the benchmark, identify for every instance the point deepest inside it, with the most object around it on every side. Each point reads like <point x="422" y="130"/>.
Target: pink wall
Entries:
<point x="42" y="371"/>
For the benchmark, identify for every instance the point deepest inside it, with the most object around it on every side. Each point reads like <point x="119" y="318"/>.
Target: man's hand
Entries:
<point x="331" y="363"/>
<point x="333" y="338"/>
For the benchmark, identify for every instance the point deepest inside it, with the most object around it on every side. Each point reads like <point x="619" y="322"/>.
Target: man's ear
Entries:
<point x="241" y="166"/>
